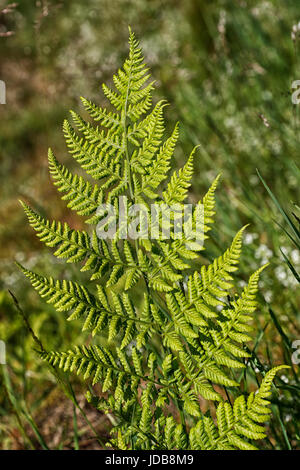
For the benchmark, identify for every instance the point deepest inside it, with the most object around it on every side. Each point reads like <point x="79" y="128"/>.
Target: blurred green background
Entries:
<point x="227" y="70"/>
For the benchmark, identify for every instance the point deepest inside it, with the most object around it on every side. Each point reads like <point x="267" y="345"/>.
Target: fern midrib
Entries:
<point x="87" y="250"/>
<point x="129" y="177"/>
<point x="124" y="123"/>
<point x="99" y="308"/>
<point x="122" y="371"/>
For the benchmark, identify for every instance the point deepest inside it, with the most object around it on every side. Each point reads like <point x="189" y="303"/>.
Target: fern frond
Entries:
<point x="177" y="188"/>
<point x="237" y="424"/>
<point x="105" y="118"/>
<point x="132" y="94"/>
<point x="96" y="163"/>
<point x="182" y="340"/>
<point x="208" y="202"/>
<point x="82" y="196"/>
<point x="215" y="279"/>
<point x="98" y="364"/>
<point x="221" y="343"/>
<point x="68" y="296"/>
<point x="152" y="140"/>
<point x="159" y="168"/>
<point x="105" y="141"/>
<point x="73" y="245"/>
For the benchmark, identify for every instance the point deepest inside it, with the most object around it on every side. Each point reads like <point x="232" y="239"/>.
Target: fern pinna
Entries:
<point x="182" y="341"/>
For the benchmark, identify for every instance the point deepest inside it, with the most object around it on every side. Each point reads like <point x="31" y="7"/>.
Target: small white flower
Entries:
<point x="264" y="253"/>
<point x="20" y="256"/>
<point x="285" y="250"/>
<point x="248" y="239"/>
<point x="280" y="273"/>
<point x="295" y="256"/>
<point x="253" y="180"/>
<point x="268" y="296"/>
